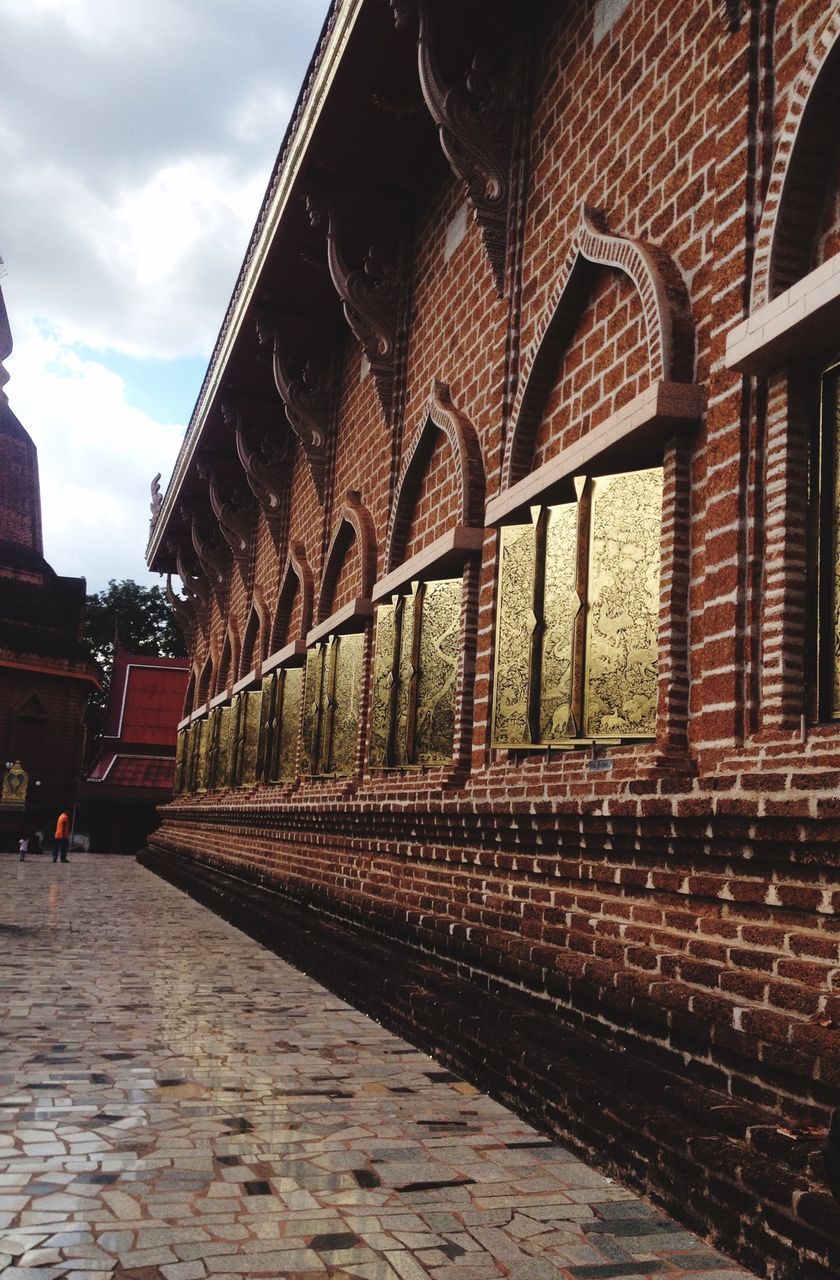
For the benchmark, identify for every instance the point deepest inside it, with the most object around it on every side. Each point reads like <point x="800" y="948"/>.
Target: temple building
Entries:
<point x="134" y="765"/>
<point x="506" y="526"/>
<point x="46" y="674"/>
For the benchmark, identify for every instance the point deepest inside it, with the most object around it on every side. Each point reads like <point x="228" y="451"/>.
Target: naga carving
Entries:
<point x="370" y="298"/>
<point x="474" y="125"/>
<point x="211" y="556"/>
<point x="183" y="609"/>
<point x="261" y="460"/>
<point x="231" y="512"/>
<point x="305" y="399"/>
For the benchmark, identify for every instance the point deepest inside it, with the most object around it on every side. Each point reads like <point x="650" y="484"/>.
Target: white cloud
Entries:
<point x="95" y="504"/>
<point x="136" y="141"/>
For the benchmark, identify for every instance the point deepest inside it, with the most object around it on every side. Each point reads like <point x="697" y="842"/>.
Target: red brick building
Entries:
<point x="134" y="766"/>
<point x="507" y="524"/>
<point x="45" y="672"/>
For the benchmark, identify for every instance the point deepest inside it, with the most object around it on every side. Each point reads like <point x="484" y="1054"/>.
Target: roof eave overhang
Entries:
<point x="270" y="216"/>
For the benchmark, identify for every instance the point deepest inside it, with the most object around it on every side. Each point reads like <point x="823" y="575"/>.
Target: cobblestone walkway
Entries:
<point x="177" y="1102"/>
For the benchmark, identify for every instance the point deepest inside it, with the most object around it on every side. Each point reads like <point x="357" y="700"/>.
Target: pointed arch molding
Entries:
<point x="355" y="522"/>
<point x="296" y="567"/>
<point x="770" y="239"/>
<point x="439" y="415"/>
<point x="257" y="616"/>
<point x="665" y="305"/>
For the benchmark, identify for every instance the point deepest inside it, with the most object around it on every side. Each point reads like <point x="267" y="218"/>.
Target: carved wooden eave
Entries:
<point x="231" y="512"/>
<point x="211" y="557"/>
<point x="342" y="21"/>
<point x="306" y="399"/>
<point x="196" y="586"/>
<point x="261" y="455"/>
<point x="369" y="297"/>
<point x="183" y="609"/>
<point x="474" y="123"/>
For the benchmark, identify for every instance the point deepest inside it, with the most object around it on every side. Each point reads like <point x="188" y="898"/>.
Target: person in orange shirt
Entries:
<point x="62" y="837"/>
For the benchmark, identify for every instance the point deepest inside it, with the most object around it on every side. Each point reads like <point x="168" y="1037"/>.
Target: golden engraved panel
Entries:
<point x="438" y="670"/>
<point x="405" y="702"/>
<point x="202" y="754"/>
<point x="383" y="683"/>
<point x="267" y="727"/>
<point x="289" y="693"/>
<point x="180" y="755"/>
<point x="623" y="605"/>
<point x="250" y="736"/>
<point x="212" y="748"/>
<point x="237" y="708"/>
<point x="226" y="728"/>
<point x="514" y="627"/>
<point x="561" y="605"/>
<point x="346" y="699"/>
<point x="309" y="761"/>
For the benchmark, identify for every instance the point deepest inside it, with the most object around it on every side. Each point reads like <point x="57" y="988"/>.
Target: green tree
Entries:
<point x="138" y="619"/>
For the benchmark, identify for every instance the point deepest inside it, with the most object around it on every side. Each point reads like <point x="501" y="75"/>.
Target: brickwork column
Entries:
<point x="720" y="515"/>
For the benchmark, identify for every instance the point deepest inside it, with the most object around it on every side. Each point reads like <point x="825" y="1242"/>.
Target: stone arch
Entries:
<point x="665" y="306"/>
<point x="355" y="523"/>
<point x="253" y="637"/>
<point x="228" y="660"/>
<point x="439" y="415"/>
<point x="297" y="576"/>
<point x="805" y="140"/>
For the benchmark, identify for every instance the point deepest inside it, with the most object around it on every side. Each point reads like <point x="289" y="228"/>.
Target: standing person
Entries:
<point x="23" y="847"/>
<point x="62" y="829"/>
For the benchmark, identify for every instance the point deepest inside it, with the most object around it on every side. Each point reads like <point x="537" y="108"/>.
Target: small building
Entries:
<point x="132" y="771"/>
<point x="46" y="674"/>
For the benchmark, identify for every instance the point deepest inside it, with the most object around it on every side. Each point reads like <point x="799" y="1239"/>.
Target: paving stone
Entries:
<point x="189" y="1107"/>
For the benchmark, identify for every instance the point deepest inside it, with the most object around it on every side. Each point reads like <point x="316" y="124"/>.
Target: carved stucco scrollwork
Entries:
<point x="211" y="555"/>
<point x="183" y="609"/>
<point x="439" y="414"/>
<point x="474" y="122"/>
<point x="306" y="398"/>
<point x="370" y="299"/>
<point x="355" y="521"/>
<point x="665" y="306"/>
<point x="231" y="511"/>
<point x="261" y="459"/>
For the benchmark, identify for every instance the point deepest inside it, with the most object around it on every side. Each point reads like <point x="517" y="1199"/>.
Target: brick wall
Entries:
<point x="674" y="900"/>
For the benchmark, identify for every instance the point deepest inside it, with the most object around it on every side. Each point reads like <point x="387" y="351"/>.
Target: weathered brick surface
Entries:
<point x="679" y="905"/>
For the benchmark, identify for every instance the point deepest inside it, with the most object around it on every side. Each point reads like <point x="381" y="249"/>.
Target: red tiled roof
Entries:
<point x="146" y="699"/>
<point x="141" y="771"/>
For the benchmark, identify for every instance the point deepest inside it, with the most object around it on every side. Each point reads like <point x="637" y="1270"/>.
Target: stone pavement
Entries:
<point x="177" y="1102"/>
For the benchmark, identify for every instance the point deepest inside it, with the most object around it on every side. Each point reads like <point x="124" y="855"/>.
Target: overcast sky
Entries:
<point x="136" y="142"/>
